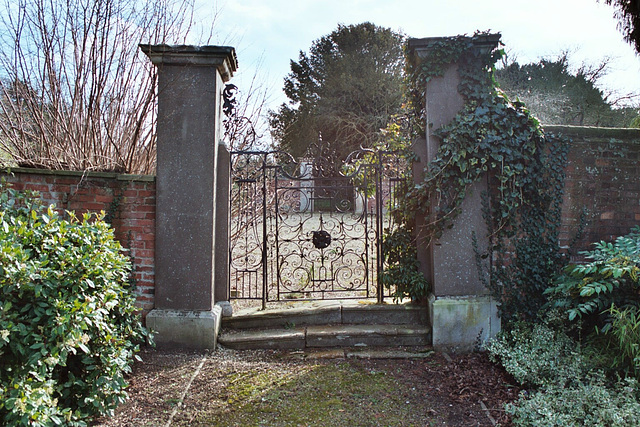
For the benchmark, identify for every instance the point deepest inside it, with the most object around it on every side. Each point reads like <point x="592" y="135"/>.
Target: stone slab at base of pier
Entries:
<point x="461" y="323"/>
<point x="185" y="329"/>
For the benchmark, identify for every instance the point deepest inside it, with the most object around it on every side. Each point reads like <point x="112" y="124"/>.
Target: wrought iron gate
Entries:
<point x="302" y="230"/>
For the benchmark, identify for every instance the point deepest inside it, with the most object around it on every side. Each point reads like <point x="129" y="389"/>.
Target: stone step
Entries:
<point x="328" y="312"/>
<point x="254" y="339"/>
<point x="395" y="352"/>
<point x="367" y="335"/>
<point x="326" y="336"/>
<point x="384" y="314"/>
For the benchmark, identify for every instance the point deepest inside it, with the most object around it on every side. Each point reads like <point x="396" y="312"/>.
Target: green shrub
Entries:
<point x="537" y="356"/>
<point x="612" y="277"/>
<point x="588" y="403"/>
<point x="601" y="298"/>
<point x="401" y="271"/>
<point x="566" y="387"/>
<point x="68" y="326"/>
<point x="623" y="339"/>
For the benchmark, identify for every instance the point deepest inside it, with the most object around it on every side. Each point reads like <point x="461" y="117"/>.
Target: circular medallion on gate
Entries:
<point x="321" y="239"/>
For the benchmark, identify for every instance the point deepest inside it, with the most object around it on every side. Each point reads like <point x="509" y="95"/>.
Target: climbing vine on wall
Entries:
<point x="495" y="139"/>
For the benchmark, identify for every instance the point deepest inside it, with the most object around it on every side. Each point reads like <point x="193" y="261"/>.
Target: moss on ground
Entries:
<point x="337" y="394"/>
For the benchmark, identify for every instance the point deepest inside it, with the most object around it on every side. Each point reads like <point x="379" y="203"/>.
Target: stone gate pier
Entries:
<point x="192" y="179"/>
<point x="460" y="307"/>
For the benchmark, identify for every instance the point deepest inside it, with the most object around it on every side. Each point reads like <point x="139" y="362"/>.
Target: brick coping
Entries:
<point x="89" y="174"/>
<point x="627" y="134"/>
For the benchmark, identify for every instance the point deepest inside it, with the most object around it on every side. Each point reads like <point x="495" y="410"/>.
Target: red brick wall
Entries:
<point x="129" y="202"/>
<point x="602" y="184"/>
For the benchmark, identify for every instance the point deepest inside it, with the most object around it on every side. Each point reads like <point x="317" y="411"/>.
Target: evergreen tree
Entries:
<point x="628" y="15"/>
<point x="557" y="96"/>
<point x="342" y="92"/>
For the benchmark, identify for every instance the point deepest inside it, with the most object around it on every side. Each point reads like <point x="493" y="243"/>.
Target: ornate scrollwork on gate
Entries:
<point x="309" y="228"/>
<point x="324" y="244"/>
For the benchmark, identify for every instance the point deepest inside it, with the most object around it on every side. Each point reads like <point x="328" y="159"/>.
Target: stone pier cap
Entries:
<point x="483" y="42"/>
<point x="222" y="57"/>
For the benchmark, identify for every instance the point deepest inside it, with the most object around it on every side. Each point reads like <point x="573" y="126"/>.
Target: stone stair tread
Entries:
<point x="261" y="334"/>
<point x="420" y="352"/>
<point x="299" y="314"/>
<point x="366" y="335"/>
<point x="327" y="312"/>
<point x="263" y="339"/>
<point x="293" y="308"/>
<point x="382" y="353"/>
<point x="326" y="336"/>
<point x="327" y="330"/>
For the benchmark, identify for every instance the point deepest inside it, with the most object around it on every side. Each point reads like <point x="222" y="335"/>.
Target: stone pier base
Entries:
<point x="459" y="323"/>
<point x="185" y="329"/>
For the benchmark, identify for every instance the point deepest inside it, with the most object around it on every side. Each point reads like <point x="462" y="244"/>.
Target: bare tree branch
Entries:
<point x="75" y="92"/>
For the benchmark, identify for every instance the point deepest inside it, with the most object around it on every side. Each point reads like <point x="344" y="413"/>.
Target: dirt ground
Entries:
<point x="246" y="388"/>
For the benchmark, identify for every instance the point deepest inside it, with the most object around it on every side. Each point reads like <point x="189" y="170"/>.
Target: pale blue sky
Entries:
<point x="269" y="33"/>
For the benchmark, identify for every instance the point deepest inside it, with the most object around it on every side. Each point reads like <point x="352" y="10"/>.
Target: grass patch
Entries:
<point x="320" y="394"/>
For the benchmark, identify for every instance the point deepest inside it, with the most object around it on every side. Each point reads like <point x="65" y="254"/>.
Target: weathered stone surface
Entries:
<point x="389" y="353"/>
<point x="329" y="312"/>
<point x="363" y="353"/>
<point x="225" y="306"/>
<point x="190" y="84"/>
<point x="450" y="261"/>
<point x="455" y="271"/>
<point x="326" y="336"/>
<point x="264" y="339"/>
<point x="189" y="123"/>
<point x="330" y="324"/>
<point x="312" y="313"/>
<point x="396" y="314"/>
<point x="366" y="335"/>
<point x="221" y="260"/>
<point x="330" y="353"/>
<point x="222" y="58"/>
<point x="185" y="329"/>
<point x="460" y="323"/>
<point x="185" y="218"/>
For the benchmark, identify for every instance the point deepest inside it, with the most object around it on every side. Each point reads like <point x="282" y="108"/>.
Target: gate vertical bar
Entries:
<point x="265" y="245"/>
<point x="276" y="218"/>
<point x="379" y="226"/>
<point x="365" y="212"/>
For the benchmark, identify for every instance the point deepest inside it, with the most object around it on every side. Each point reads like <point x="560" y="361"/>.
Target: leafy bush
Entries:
<point x="623" y="339"/>
<point x="567" y="388"/>
<point x="611" y="278"/>
<point x="601" y="297"/>
<point x="68" y="327"/>
<point x="537" y="356"/>
<point x="588" y="403"/>
<point x="401" y="271"/>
